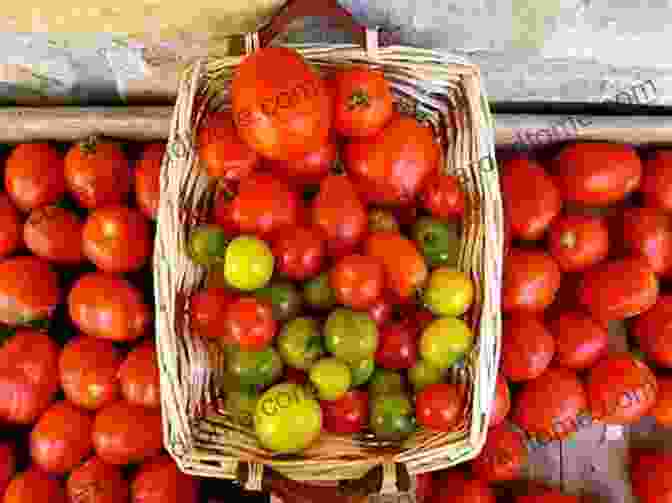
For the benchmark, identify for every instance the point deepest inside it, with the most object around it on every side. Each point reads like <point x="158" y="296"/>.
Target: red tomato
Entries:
<point x="424" y="487"/>
<point x="650" y="475"/>
<point x="621" y="389"/>
<point x="34" y="485"/>
<point x="548" y="495"/>
<point x="222" y="213"/>
<point x="619" y="289"/>
<point x="10" y="227"/>
<point x="357" y="281"/>
<point x="363" y="102"/>
<point x="147" y="179"/>
<point x="503" y="457"/>
<point x="97" y="174"/>
<point x="527" y="347"/>
<point x="207" y="309"/>
<point x="7" y="465"/>
<point x="61" y="439"/>
<point x="349" y="414"/>
<point x="21" y="400"/>
<point x="88" y="368"/>
<point x="382" y="309"/>
<point x="405" y="268"/>
<point x="662" y="410"/>
<point x="34" y="354"/>
<point x="438" y="406"/>
<point x="299" y="252"/>
<point x="54" y="234"/>
<point x="97" y="482"/>
<point x="309" y="169"/>
<point x="598" y="174"/>
<point x="650" y="329"/>
<point x="249" y="323"/>
<point x="531" y="280"/>
<point x="392" y="166"/>
<point x="123" y="316"/>
<point x="502" y="403"/>
<point x="20" y="305"/>
<point x="34" y="175"/>
<point x="139" y="376"/>
<point x="264" y="205"/>
<point x="657" y="182"/>
<point x="397" y="347"/>
<point x="117" y="239"/>
<point x="443" y="197"/>
<point x="340" y="214"/>
<point x="455" y="486"/>
<point x="579" y="341"/>
<point x="159" y="480"/>
<point x="124" y="433"/>
<point x="647" y="233"/>
<point x="225" y="154"/>
<point x="578" y="242"/>
<point x="531" y="198"/>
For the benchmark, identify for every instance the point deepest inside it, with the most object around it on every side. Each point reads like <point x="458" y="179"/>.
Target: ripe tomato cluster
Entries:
<point x="80" y="412"/>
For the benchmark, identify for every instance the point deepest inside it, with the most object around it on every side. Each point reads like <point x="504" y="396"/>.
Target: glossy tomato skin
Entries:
<point x="405" y="268"/>
<point x="117" y="239"/>
<point x="61" y="439"/>
<point x="123" y="316"/>
<point x="392" y="166"/>
<point x="598" y="174"/>
<point x="443" y="197"/>
<point x="97" y="482"/>
<point x="579" y="340"/>
<point x="21" y="400"/>
<point x="54" y="234"/>
<point x="531" y="280"/>
<point x="548" y="407"/>
<point x="650" y="328"/>
<point x="97" y="174"/>
<point x="280" y="105"/>
<point x="207" y="309"/>
<point x="502" y="403"/>
<point x="139" y="376"/>
<point x="357" y="281"/>
<point x="347" y="415"/>
<point x="438" y="406"/>
<point x="159" y="480"/>
<point x="34" y="485"/>
<point x="225" y="154"/>
<point x="647" y="233"/>
<point x="7" y="465"/>
<point x="264" y="205"/>
<point x="531" y="198"/>
<point x="662" y="410"/>
<point x="527" y="347"/>
<point x="382" y="309"/>
<point x="34" y="354"/>
<point x="222" y="213"/>
<point x="578" y="242"/>
<point x="34" y="175"/>
<point x="10" y="227"/>
<point x="424" y="487"/>
<point x="397" y="346"/>
<point x="456" y="486"/>
<point x="20" y="305"/>
<point x="299" y="252"/>
<point x="657" y="182"/>
<point x="309" y="169"/>
<point x="621" y="389"/>
<point x="619" y="289"/>
<point x="650" y="475"/>
<point x="503" y="457"/>
<point x="88" y="370"/>
<point x="147" y="176"/>
<point x="249" y="323"/>
<point x="363" y="102"/>
<point x="124" y="433"/>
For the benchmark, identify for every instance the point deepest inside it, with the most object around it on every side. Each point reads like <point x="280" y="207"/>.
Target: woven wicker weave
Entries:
<point x="205" y="440"/>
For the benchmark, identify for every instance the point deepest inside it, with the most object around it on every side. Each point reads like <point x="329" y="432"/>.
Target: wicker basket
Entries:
<point x="205" y="441"/>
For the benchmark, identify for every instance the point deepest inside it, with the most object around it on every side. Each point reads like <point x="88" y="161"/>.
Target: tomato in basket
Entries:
<point x="438" y="406"/>
<point x="397" y="346"/>
<point x="299" y="252"/>
<point x="578" y="242"/>
<point x="309" y="169"/>
<point x="147" y="176"/>
<point x="10" y="227"/>
<point x="54" y="234"/>
<point x="207" y="309"/>
<point x="443" y="197"/>
<point x="657" y="182"/>
<point x="249" y="323"/>
<point x="139" y="376"/>
<point x="357" y="281"/>
<point x="97" y="482"/>
<point x="34" y="485"/>
<point x="159" y="480"/>
<point x="349" y="414"/>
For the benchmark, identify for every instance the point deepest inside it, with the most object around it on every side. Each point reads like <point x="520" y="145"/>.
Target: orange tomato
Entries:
<point x="531" y="280"/>
<point x="147" y="179"/>
<point x="54" y="234"/>
<point x="159" y="480"/>
<point x="357" y="281"/>
<point x="97" y="482"/>
<point x="139" y="376"/>
<point x="34" y="354"/>
<point x="10" y="227"/>
<point x="34" y="485"/>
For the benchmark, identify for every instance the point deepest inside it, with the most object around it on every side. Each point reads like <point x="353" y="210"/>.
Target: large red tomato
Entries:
<point x="34" y="354"/>
<point x="34" y="485"/>
<point x="392" y="166"/>
<point x="54" y="234"/>
<point x="531" y="198"/>
<point x="531" y="280"/>
<point x="647" y="233"/>
<point x="651" y="475"/>
<point x="7" y="465"/>
<point x="438" y="406"/>
<point x="455" y="486"/>
<point x="280" y="104"/>
<point x="20" y="305"/>
<point x="147" y="179"/>
<point x="578" y="242"/>
<point x="657" y="182"/>
<point x="309" y="169"/>
<point x="159" y="480"/>
<point x="10" y="227"/>
<point x="139" y="376"/>
<point x="619" y="289"/>
<point x="598" y="174"/>
<point x="503" y="457"/>
<point x="527" y="347"/>
<point x="579" y="341"/>
<point x="97" y="482"/>
<point x="349" y="414"/>
<point x="21" y="400"/>
<point x="651" y="329"/>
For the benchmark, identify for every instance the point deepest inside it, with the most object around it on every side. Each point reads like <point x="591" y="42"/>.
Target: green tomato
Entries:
<point x="284" y="297"/>
<point x="318" y="293"/>
<point x="391" y="416"/>
<point x="350" y="335"/>
<point x="242" y="404"/>
<point x="255" y="368"/>
<point x="207" y="244"/>
<point x="300" y="343"/>
<point x="423" y="374"/>
<point x="445" y="341"/>
<point x="287" y="418"/>
<point x="438" y="241"/>
<point x="248" y="263"/>
<point x="449" y="292"/>
<point x="384" y="381"/>
<point x="331" y="377"/>
<point x="362" y="371"/>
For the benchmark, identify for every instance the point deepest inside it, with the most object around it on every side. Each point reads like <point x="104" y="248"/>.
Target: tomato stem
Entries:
<point x="88" y="145"/>
<point x="359" y="98"/>
<point x="337" y="167"/>
<point x="568" y="240"/>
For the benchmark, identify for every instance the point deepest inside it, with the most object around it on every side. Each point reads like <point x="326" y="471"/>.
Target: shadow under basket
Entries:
<point x="204" y="439"/>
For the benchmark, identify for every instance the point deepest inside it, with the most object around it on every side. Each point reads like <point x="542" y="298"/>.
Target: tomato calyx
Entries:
<point x="89" y="145"/>
<point x="568" y="240"/>
<point x="359" y="99"/>
<point x="337" y="168"/>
